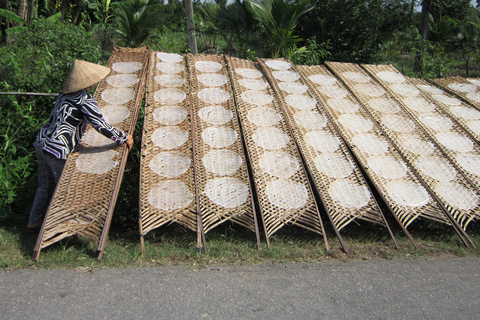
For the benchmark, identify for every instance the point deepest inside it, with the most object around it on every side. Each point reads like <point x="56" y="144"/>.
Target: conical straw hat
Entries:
<point x="83" y="75"/>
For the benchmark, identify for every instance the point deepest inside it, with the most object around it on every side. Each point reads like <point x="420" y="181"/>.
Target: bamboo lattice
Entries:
<point x="84" y="199"/>
<point x="222" y="178"/>
<point x="467" y="89"/>
<point x="167" y="187"/>
<point x="456" y="144"/>
<point x="282" y="186"/>
<point x="337" y="178"/>
<point x="467" y="116"/>
<point x="414" y="144"/>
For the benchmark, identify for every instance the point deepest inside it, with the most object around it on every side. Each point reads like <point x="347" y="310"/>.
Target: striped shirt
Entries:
<point x="68" y="121"/>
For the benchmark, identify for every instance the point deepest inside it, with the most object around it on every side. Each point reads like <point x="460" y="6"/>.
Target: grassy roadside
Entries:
<point x="231" y="245"/>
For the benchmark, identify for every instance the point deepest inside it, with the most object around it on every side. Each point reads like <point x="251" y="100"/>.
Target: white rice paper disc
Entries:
<point x="117" y="96"/>
<point x="279" y="164"/>
<point x="349" y="194"/>
<point x="170" y="68"/>
<point x="462" y="87"/>
<point x="357" y="77"/>
<point x="405" y="90"/>
<point x="437" y="123"/>
<point x="469" y="162"/>
<point x="249" y="73"/>
<point x="474" y="81"/>
<point x="126" y="67"/>
<point x="256" y="97"/>
<point x="436" y="168"/>
<point x="215" y="115"/>
<point x="310" y="120"/>
<point x="475" y="96"/>
<point x="333" y="91"/>
<point x="264" y="117"/>
<point x="170" y="195"/>
<point x="449" y="101"/>
<point x="170" y="115"/>
<point x="391" y="77"/>
<point x="301" y="102"/>
<point x="253" y="84"/>
<point x="322" y="79"/>
<point x="370" y="143"/>
<point x="115" y="114"/>
<point x="213" y="95"/>
<point x="124" y="80"/>
<point x="322" y="141"/>
<point x="278" y="64"/>
<point x="169" y="137"/>
<point x="95" y="139"/>
<point x="466" y="113"/>
<point x="270" y="138"/>
<point x="333" y="165"/>
<point x="355" y="122"/>
<point x="343" y="105"/>
<point x="292" y="87"/>
<point x="430" y="89"/>
<point x="287" y="75"/>
<point x="415" y="144"/>
<point x="222" y="162"/>
<point x="97" y="162"/>
<point x="212" y="79"/>
<point x="208" y="66"/>
<point x="398" y="123"/>
<point x="384" y="105"/>
<point x="169" y="57"/>
<point x="227" y="192"/>
<point x="387" y="166"/>
<point x="407" y="193"/>
<point x="419" y="104"/>
<point x="170" y="96"/>
<point x="286" y="194"/>
<point x="219" y="137"/>
<point x="170" y="164"/>
<point x="474" y="126"/>
<point x="369" y="89"/>
<point x="456" y="195"/>
<point x="170" y="80"/>
<point x="455" y="141"/>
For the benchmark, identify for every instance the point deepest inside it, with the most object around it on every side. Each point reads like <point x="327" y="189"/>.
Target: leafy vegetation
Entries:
<point x="38" y="46"/>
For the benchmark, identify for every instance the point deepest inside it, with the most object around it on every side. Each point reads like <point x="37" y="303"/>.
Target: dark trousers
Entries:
<point x="49" y="170"/>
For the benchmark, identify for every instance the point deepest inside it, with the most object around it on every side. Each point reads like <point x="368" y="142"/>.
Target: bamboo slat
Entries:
<point x="83" y="202"/>
<point x="415" y="146"/>
<point x="284" y="193"/>
<point x="222" y="178"/>
<point x="167" y="187"/>
<point x="338" y="181"/>
<point x="466" y="115"/>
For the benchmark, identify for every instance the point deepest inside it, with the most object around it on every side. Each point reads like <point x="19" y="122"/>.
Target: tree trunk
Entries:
<point x="192" y="40"/>
<point x="31" y="12"/>
<point x="22" y="9"/>
<point x="63" y="10"/>
<point x="467" y="67"/>
<point x="423" y="30"/>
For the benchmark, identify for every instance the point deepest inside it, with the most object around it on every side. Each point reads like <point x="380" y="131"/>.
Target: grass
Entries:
<point x="229" y="244"/>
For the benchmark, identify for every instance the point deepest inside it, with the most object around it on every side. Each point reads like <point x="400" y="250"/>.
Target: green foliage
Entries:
<point x="38" y="61"/>
<point x="312" y="54"/>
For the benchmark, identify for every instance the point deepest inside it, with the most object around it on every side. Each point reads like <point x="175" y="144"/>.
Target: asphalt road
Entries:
<point x="444" y="288"/>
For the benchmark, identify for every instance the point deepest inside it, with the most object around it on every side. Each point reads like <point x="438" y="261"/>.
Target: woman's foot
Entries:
<point x="34" y="226"/>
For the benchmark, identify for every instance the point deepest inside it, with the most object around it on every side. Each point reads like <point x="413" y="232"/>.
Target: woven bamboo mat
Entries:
<point x="284" y="193"/>
<point x="467" y="116"/>
<point x="414" y="144"/>
<point x="222" y="179"/>
<point x="387" y="170"/>
<point x="337" y="178"/>
<point x="85" y="197"/>
<point x="456" y="144"/>
<point x="167" y="187"/>
<point x="468" y="89"/>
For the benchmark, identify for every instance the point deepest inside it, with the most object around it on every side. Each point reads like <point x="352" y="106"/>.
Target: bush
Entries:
<point x="37" y="60"/>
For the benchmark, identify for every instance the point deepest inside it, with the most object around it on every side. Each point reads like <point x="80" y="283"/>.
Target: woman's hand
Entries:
<point x="129" y="142"/>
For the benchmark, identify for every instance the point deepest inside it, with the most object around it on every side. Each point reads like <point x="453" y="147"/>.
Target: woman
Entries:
<point x="73" y="109"/>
